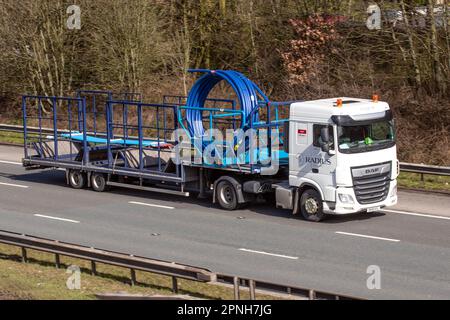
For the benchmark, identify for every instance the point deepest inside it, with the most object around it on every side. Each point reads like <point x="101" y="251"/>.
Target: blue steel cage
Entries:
<point x="96" y="101"/>
<point x="120" y="125"/>
<point x="68" y="110"/>
<point x="139" y="135"/>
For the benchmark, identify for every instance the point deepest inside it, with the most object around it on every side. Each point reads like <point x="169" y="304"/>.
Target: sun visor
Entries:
<point x="362" y="119"/>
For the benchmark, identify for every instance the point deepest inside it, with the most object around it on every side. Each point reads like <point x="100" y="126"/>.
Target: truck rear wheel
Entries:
<point x="77" y="179"/>
<point x="311" y="206"/>
<point x="226" y="196"/>
<point x="98" y="182"/>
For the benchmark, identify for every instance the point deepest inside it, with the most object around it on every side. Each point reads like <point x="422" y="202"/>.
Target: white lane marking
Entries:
<point x="269" y="254"/>
<point x="55" y="218"/>
<point x="416" y="214"/>
<point x="366" y="236"/>
<point x="13" y="185"/>
<point x="11" y="162"/>
<point x="151" y="205"/>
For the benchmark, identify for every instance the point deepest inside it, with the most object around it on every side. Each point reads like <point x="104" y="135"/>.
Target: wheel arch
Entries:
<point x="311" y="185"/>
<point x="236" y="184"/>
<point x="302" y="188"/>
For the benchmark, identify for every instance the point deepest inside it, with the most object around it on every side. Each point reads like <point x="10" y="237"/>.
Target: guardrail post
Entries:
<point x="93" y="268"/>
<point x="133" y="277"/>
<point x="237" y="293"/>
<point x="24" y="255"/>
<point x="252" y="288"/>
<point x="312" y="295"/>
<point x="174" y="285"/>
<point x="57" y="261"/>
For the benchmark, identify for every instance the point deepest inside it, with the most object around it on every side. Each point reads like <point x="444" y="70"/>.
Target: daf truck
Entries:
<point x="337" y="156"/>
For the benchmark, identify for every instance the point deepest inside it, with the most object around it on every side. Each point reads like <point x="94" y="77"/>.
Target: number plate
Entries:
<point x="374" y="209"/>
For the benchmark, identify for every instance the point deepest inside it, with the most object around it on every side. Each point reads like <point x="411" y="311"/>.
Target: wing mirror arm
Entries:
<point x="325" y="143"/>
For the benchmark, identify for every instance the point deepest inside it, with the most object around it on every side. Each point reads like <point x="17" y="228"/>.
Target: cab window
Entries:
<point x="317" y="139"/>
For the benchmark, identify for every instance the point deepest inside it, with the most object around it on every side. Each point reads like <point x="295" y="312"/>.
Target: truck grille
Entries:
<point x="371" y="183"/>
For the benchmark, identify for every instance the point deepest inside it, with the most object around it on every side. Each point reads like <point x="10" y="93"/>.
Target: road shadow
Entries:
<point x="54" y="177"/>
<point x="269" y="209"/>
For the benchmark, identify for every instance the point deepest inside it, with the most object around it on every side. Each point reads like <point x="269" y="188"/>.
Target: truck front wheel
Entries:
<point x="226" y="196"/>
<point x="311" y="206"/>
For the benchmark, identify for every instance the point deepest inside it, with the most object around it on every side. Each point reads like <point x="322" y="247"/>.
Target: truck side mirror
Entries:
<point x="325" y="135"/>
<point x="326" y="141"/>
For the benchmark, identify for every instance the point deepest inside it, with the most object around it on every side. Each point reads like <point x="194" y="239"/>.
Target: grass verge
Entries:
<point x="11" y="137"/>
<point x="40" y="280"/>
<point x="429" y="182"/>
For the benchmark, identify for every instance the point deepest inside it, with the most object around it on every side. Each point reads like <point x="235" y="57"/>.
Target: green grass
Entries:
<point x="11" y="137"/>
<point x="40" y="280"/>
<point x="430" y="182"/>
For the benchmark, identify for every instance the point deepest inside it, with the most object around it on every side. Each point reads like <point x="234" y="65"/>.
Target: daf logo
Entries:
<point x="372" y="171"/>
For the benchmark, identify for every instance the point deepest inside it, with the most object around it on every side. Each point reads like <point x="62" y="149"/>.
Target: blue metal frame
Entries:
<point x="161" y="130"/>
<point x="54" y="118"/>
<point x="93" y="109"/>
<point x="255" y="112"/>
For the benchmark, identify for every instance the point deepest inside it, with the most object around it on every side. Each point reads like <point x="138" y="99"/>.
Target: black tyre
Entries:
<point x="311" y="206"/>
<point x="226" y="196"/>
<point x="98" y="182"/>
<point x="77" y="179"/>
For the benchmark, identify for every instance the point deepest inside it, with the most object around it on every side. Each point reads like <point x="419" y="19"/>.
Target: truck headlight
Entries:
<point x="346" y="198"/>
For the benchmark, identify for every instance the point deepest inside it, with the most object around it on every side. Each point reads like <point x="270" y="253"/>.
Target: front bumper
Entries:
<point x="339" y="208"/>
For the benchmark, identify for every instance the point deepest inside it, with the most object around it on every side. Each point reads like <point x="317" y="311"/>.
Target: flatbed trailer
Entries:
<point x="105" y="142"/>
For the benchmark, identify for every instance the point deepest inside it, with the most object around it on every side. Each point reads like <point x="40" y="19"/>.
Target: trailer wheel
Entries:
<point x="311" y="206"/>
<point x="77" y="179"/>
<point x="226" y="196"/>
<point x="98" y="182"/>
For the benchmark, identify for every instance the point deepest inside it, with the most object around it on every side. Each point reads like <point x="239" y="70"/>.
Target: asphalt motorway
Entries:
<point x="410" y="244"/>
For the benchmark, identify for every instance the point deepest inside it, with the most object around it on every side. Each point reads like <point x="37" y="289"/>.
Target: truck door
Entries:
<point x="300" y="139"/>
<point x="307" y="160"/>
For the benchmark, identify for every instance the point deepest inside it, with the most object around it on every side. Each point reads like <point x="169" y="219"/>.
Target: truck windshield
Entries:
<point x="363" y="138"/>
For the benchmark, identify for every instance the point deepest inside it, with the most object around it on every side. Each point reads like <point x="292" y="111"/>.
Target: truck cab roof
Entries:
<point x="323" y="110"/>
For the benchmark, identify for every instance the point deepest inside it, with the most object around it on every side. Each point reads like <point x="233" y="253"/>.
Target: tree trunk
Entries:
<point x="415" y="63"/>
<point x="438" y="82"/>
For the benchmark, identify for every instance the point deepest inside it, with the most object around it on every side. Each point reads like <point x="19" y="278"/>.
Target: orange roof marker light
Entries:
<point x="375" y="98"/>
<point x="339" y="103"/>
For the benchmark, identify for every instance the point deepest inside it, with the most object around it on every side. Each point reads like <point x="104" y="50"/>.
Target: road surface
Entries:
<point x="410" y="245"/>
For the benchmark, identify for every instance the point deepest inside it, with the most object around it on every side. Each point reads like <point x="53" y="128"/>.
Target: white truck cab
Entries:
<point x="342" y="157"/>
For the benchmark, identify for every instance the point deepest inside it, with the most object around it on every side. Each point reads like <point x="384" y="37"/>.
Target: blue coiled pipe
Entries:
<point x="246" y="91"/>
